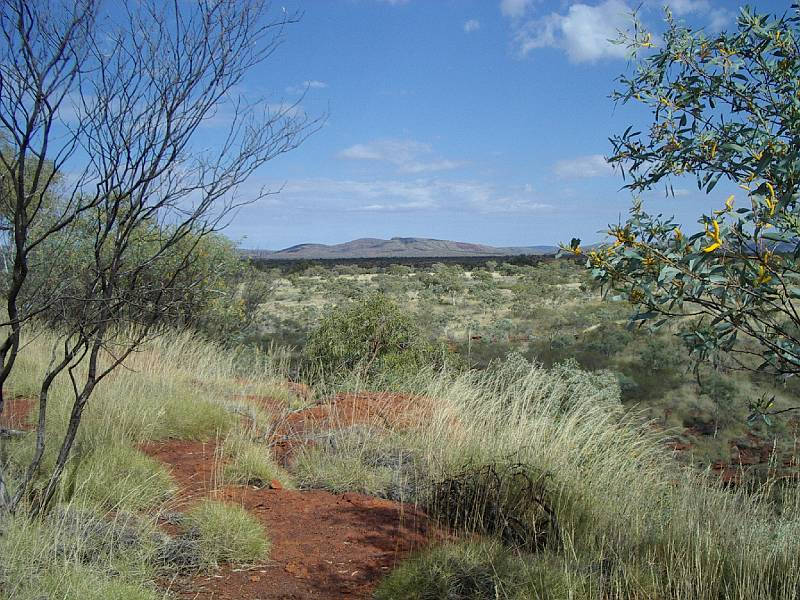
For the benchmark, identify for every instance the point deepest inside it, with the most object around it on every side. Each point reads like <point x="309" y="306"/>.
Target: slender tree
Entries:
<point x="107" y="192"/>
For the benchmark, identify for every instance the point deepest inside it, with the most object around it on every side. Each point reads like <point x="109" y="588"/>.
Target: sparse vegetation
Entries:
<point x="164" y="409"/>
<point x="524" y="456"/>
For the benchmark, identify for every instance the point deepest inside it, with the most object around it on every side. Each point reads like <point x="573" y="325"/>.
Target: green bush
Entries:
<point x="370" y="335"/>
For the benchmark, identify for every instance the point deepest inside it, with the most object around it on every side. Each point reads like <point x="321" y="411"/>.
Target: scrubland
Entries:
<point x="551" y="479"/>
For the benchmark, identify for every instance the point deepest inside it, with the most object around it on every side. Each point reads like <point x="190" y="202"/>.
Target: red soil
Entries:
<point x="15" y="413"/>
<point x="383" y="410"/>
<point x="323" y="545"/>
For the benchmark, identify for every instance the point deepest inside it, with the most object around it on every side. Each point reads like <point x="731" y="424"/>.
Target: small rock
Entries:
<point x="275" y="485"/>
<point x="182" y="554"/>
<point x="296" y="569"/>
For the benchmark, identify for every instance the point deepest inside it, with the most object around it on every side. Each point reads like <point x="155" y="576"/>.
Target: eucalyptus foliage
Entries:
<point x="723" y="107"/>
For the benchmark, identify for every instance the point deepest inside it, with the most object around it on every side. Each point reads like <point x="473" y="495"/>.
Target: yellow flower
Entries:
<point x="712" y="233"/>
<point x="636" y="296"/>
<point x="729" y="203"/>
<point x="763" y="275"/>
<point x="623" y="235"/>
<point x="728" y="206"/>
<point x="772" y="201"/>
<point x="764" y="271"/>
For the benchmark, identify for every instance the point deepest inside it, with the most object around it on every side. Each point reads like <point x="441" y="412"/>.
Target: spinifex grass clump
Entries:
<point x="77" y="552"/>
<point x="481" y="570"/>
<point x="363" y="459"/>
<point x="248" y="462"/>
<point x="227" y="533"/>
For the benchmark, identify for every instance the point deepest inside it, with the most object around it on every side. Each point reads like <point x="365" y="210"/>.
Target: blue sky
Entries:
<point x="473" y="120"/>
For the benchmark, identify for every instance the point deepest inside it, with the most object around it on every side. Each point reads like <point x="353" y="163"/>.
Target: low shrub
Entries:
<point x="370" y="335"/>
<point x="509" y="501"/>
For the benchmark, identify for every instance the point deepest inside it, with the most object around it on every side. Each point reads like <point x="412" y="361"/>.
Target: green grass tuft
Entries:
<point x="479" y="571"/>
<point x="250" y="463"/>
<point x="337" y="473"/>
<point x="228" y="533"/>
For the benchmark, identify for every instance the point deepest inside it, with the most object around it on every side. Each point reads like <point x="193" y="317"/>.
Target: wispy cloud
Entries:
<point x="514" y="8"/>
<point x="584" y="32"/>
<point x="309" y="84"/>
<point x="391" y="195"/>
<point x="408" y="156"/>
<point x="683" y="7"/>
<point x="472" y="25"/>
<point x="583" y="167"/>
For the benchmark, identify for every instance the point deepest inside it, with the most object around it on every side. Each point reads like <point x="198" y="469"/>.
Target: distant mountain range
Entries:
<point x="397" y="247"/>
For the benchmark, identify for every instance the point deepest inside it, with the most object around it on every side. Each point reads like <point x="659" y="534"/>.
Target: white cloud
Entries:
<point x="583" y="32"/>
<point x="684" y="7"/>
<point x="583" y="167"/>
<point x="391" y="195"/>
<point x="409" y="156"/>
<point x="395" y="207"/>
<point x="472" y="25"/>
<point x="514" y="8"/>
<point x="718" y="17"/>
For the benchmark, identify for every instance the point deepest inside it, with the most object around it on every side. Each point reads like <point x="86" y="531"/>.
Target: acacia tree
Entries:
<point x="106" y="191"/>
<point x="723" y="107"/>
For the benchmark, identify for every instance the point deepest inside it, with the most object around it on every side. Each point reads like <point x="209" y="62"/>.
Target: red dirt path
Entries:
<point x="323" y="545"/>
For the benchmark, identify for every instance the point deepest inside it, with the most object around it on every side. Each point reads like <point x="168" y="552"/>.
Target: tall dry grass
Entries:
<point x="624" y="505"/>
